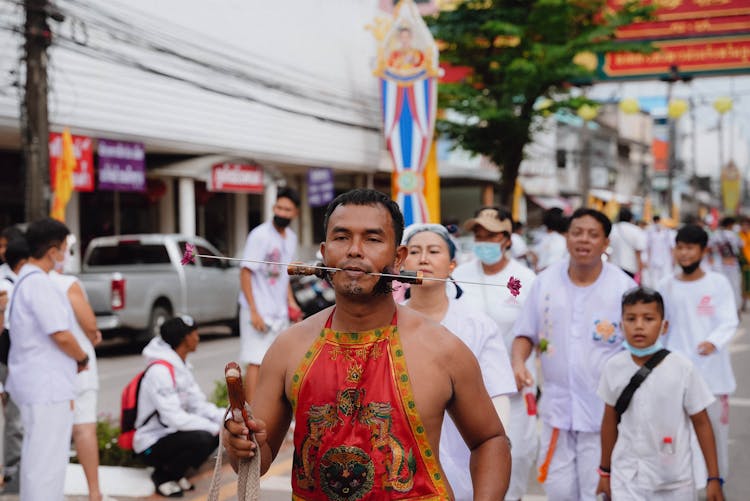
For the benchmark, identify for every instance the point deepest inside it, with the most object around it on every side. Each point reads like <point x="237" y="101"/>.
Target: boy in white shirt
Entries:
<point x="646" y="453"/>
<point x="703" y="317"/>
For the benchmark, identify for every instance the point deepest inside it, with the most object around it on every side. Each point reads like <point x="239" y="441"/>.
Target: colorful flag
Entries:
<point x="408" y="70"/>
<point x="63" y="182"/>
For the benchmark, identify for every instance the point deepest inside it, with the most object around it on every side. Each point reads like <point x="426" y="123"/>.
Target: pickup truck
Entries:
<point x="136" y="282"/>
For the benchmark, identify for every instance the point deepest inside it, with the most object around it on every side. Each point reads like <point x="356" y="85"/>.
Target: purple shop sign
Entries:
<point x="122" y="166"/>
<point x="319" y="187"/>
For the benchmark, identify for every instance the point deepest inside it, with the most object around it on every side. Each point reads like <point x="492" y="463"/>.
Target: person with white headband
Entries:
<point x="431" y="250"/>
<point x="494" y="265"/>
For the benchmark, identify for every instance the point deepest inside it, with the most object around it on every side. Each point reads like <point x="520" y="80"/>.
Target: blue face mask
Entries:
<point x="644" y="352"/>
<point x="488" y="252"/>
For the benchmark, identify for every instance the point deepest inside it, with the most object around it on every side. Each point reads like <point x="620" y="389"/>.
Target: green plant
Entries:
<point x="219" y="395"/>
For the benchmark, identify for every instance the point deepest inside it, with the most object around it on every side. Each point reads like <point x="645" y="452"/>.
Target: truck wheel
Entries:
<point x="159" y="315"/>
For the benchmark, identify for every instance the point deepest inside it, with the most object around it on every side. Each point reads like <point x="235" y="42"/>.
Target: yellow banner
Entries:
<point x="432" y="184"/>
<point x="66" y="164"/>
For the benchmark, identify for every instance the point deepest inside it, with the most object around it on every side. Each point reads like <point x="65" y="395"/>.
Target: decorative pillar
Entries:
<point x="187" y="206"/>
<point x="166" y="208"/>
<point x="305" y="215"/>
<point x="73" y="222"/>
<point x="240" y="226"/>
<point x="269" y="198"/>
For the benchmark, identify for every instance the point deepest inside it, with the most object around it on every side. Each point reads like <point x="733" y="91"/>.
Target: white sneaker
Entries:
<point x="108" y="498"/>
<point x="185" y="484"/>
<point x="170" y="489"/>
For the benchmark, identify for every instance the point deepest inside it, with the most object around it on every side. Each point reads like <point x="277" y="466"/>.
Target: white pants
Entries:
<point x="718" y="413"/>
<point x="521" y="431"/>
<point x="572" y="472"/>
<point x="253" y="343"/>
<point x="44" y="454"/>
<point x="628" y="491"/>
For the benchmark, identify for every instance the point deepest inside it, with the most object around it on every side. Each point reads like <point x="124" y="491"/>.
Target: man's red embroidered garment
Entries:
<point x="358" y="435"/>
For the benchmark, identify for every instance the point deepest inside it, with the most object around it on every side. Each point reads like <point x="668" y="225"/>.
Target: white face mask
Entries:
<point x="65" y="263"/>
<point x="61" y="264"/>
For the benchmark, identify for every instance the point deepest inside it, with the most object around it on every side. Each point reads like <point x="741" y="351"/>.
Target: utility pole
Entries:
<point x="585" y="163"/>
<point x="672" y="154"/>
<point x="34" y="123"/>
<point x="674" y="76"/>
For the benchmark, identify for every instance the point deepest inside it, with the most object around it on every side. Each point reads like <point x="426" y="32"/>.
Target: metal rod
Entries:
<point x="328" y="268"/>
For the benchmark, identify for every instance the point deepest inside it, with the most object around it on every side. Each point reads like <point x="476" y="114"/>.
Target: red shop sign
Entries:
<point x="236" y="178"/>
<point x="83" y="175"/>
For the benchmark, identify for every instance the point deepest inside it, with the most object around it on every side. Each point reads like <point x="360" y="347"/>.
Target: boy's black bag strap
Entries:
<point x="639" y="377"/>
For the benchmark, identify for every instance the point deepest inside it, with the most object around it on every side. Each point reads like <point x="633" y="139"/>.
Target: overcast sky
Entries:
<point x="703" y="91"/>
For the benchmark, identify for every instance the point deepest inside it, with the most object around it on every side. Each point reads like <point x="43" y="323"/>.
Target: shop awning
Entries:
<point x="608" y="195"/>
<point x="550" y="202"/>
<point x="199" y="168"/>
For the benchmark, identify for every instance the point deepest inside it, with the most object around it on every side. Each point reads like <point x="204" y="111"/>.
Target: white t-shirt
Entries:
<point x="5" y="271"/>
<point x="703" y="310"/>
<point x="38" y="370"/>
<point x="661" y="407"/>
<point x="552" y="249"/>
<point x="270" y="281"/>
<point x="659" y="242"/>
<point x="518" y="246"/>
<point x="496" y="302"/>
<point x="581" y="326"/>
<point x="484" y="340"/>
<point x="625" y="239"/>
<point x="88" y="379"/>
<point x="725" y="245"/>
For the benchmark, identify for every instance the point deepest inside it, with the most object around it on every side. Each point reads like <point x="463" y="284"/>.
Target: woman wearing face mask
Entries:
<point x="494" y="266"/>
<point x="87" y="382"/>
<point x="431" y="251"/>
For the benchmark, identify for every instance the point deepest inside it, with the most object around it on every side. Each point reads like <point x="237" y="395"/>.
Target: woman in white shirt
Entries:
<point x="431" y="251"/>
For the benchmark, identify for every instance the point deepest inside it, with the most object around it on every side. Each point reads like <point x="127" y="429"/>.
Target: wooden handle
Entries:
<point x="235" y="389"/>
<point x="304" y="269"/>
<point x="411" y="277"/>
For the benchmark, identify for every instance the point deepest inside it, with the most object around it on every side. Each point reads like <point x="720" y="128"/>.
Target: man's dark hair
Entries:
<point x="291" y="194"/>
<point x="656" y="219"/>
<point x="727" y="222"/>
<point x="517" y="225"/>
<point x="17" y="251"/>
<point x="554" y="219"/>
<point x="363" y="196"/>
<point x="44" y="234"/>
<point x="625" y="215"/>
<point x="643" y="295"/>
<point x="599" y="216"/>
<point x="11" y="233"/>
<point x="692" y="234"/>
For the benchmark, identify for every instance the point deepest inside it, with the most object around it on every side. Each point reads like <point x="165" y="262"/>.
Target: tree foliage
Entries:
<point x="519" y="51"/>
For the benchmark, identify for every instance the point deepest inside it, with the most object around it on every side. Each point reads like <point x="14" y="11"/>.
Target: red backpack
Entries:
<point x="129" y="406"/>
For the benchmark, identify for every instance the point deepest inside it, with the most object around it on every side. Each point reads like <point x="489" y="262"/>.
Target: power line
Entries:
<point x="69" y="43"/>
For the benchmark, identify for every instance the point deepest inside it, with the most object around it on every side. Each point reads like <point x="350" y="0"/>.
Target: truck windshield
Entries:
<point x="128" y="253"/>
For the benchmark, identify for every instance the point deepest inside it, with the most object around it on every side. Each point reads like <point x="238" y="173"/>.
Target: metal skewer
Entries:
<point x="410" y="277"/>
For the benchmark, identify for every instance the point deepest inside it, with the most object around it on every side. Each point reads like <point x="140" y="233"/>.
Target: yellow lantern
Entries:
<point x="676" y="108"/>
<point x="723" y="104"/>
<point x="543" y="106"/>
<point x="588" y="112"/>
<point x="629" y="105"/>
<point x="586" y="60"/>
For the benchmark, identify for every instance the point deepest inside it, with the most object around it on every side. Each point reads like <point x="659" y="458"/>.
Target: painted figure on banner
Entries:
<point x="407" y="67"/>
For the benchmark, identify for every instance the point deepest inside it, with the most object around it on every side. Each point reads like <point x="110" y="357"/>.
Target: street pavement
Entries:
<point x="117" y="365"/>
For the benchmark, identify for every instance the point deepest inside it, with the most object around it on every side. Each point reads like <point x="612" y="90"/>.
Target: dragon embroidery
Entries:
<point x="400" y="465"/>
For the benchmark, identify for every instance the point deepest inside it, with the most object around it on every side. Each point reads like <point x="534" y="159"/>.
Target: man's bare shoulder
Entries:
<point x="298" y="337"/>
